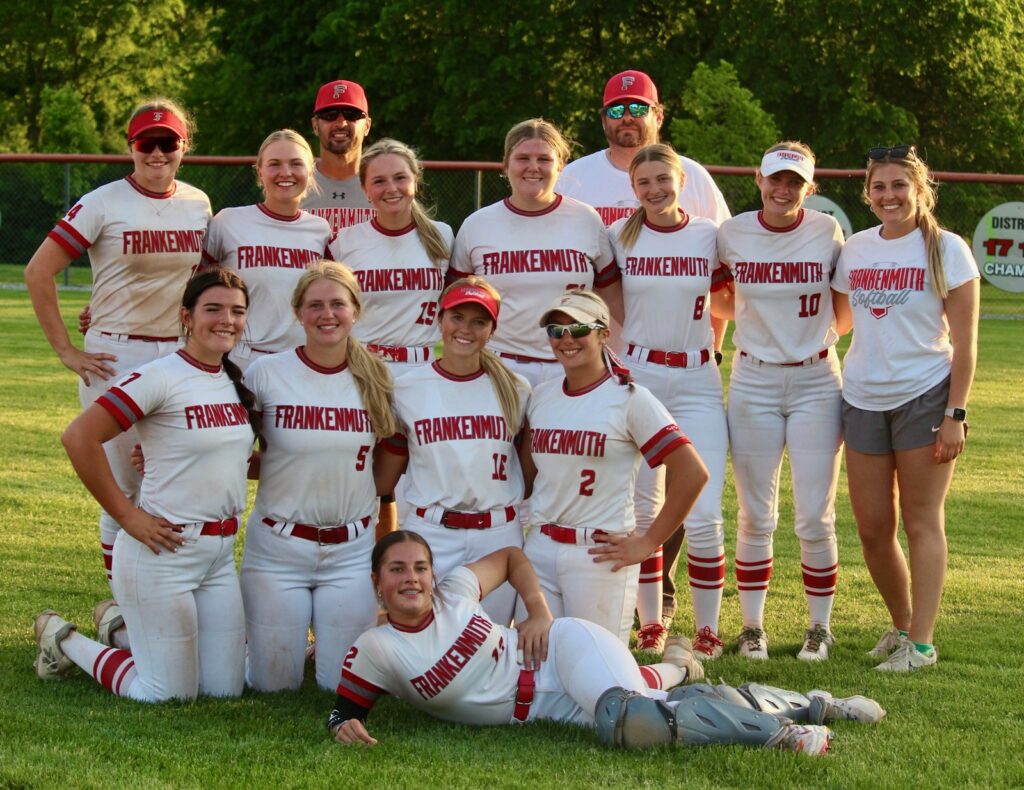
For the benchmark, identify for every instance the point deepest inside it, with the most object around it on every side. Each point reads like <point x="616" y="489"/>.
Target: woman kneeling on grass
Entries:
<point x="441" y="653"/>
<point x="174" y="569"/>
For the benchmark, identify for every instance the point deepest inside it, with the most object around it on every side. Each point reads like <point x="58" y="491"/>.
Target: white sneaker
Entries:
<point x="50" y="629"/>
<point x="907" y="658"/>
<point x="810" y="739"/>
<point x="107" y="617"/>
<point x="651" y="638"/>
<point x="890" y="640"/>
<point x="753" y="643"/>
<point x="824" y="707"/>
<point x="679" y="652"/>
<point x="706" y="645"/>
<point x="817" y="641"/>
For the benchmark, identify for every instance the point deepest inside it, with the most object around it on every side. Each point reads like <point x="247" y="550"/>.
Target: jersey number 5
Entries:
<point x="361" y="457"/>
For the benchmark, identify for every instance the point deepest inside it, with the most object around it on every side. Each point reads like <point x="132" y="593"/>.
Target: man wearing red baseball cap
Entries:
<point x="631" y="116"/>
<point x="341" y="119"/>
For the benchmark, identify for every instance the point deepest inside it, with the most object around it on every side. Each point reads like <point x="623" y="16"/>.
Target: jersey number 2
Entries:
<point x="588" y="476"/>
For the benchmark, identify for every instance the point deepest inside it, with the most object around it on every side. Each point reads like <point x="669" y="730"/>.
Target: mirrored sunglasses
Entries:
<point x="557" y="331"/>
<point x="636" y="109"/>
<point x="147" y="145"/>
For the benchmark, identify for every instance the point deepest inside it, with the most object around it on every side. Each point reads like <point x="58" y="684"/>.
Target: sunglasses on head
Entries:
<point x="895" y="152"/>
<point x="147" y="145"/>
<point x="636" y="109"/>
<point x="348" y="113"/>
<point x="557" y="331"/>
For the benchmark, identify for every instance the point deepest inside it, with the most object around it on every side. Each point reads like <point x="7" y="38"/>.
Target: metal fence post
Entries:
<point x="67" y="208"/>
<point x="479" y="197"/>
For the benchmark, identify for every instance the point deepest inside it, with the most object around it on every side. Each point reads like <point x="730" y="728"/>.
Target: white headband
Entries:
<point x="777" y="161"/>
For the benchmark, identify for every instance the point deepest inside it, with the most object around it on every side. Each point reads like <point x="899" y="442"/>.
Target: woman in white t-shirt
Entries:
<point x="913" y="291"/>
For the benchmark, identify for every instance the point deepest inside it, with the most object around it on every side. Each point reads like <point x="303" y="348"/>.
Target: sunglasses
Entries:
<point x="895" y="152"/>
<point x="636" y="109"/>
<point x="348" y="113"/>
<point x="557" y="331"/>
<point x="147" y="145"/>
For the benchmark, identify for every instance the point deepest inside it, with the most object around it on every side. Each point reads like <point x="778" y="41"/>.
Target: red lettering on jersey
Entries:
<point x="587" y="478"/>
<point x="74" y="211"/>
<point x="441" y="674"/>
<point x="778" y="272"/>
<point x="146" y="242"/>
<point x="321" y="418"/>
<point x="668" y="266"/>
<point x="461" y="428"/>
<point x="340" y="217"/>
<point x="558" y="441"/>
<point x="611" y="214"/>
<point x="520" y="261"/>
<point x="420" y="279"/>
<point x="902" y="279"/>
<point x="215" y="415"/>
<point x="265" y="257"/>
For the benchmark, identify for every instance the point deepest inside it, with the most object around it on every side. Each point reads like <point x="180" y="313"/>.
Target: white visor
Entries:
<point x="777" y="161"/>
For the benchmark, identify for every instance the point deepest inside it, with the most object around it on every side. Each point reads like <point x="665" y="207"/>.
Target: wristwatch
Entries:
<point x="957" y="414"/>
<point x="718" y="358"/>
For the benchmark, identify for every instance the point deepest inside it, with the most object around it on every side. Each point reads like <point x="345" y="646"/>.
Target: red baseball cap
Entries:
<point x="634" y="85"/>
<point x="471" y="294"/>
<point x="157" y="118"/>
<point x="341" y="93"/>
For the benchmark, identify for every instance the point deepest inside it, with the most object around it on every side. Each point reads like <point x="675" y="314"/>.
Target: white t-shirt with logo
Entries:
<point x="901" y="346"/>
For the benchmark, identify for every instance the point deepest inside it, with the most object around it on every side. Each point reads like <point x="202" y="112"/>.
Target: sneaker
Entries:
<point x="824" y="707"/>
<point x="907" y="658"/>
<point x="810" y="739"/>
<point x="652" y="638"/>
<point x="107" y="616"/>
<point x="706" y="645"/>
<point x="753" y="643"/>
<point x="50" y="629"/>
<point x="679" y="652"/>
<point x="890" y="640"/>
<point x="817" y="641"/>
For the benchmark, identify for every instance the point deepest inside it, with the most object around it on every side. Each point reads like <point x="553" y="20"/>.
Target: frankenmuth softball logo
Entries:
<point x="878" y="290"/>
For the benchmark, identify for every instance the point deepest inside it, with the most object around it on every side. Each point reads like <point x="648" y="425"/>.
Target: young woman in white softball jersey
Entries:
<point x="913" y="291"/>
<point x="668" y="260"/>
<point x="325" y="405"/>
<point x="785" y="390"/>
<point x="588" y="434"/>
<point x="462" y="421"/>
<point x="534" y="245"/>
<point x="440" y="653"/>
<point x="270" y="244"/>
<point x="174" y="567"/>
<point x="144" y="236"/>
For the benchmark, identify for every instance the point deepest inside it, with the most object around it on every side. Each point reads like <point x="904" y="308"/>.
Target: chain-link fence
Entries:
<point x="34" y="195"/>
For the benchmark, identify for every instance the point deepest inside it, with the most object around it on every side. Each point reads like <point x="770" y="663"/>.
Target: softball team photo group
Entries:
<point x="480" y="454"/>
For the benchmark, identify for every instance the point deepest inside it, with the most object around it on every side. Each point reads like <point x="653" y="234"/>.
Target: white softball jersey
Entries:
<point x="783" y="284"/>
<point x="196" y="438"/>
<point x="456" y="665"/>
<point x="901" y="347"/>
<point x="587" y="447"/>
<point x="317" y="467"/>
<point x="666" y="283"/>
<point x="531" y="257"/>
<point x="400" y="284"/>
<point x="598" y="183"/>
<point x="270" y="252"/>
<point x="342" y="203"/>
<point x="461" y="454"/>
<point x="143" y="246"/>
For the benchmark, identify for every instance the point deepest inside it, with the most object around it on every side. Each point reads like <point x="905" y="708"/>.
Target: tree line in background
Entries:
<point x="452" y="76"/>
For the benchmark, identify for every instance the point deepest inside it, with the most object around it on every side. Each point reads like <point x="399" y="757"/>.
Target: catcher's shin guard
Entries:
<point x="680" y="693"/>
<point x="705" y="720"/>
<point x="769" y="699"/>
<point x="628" y="719"/>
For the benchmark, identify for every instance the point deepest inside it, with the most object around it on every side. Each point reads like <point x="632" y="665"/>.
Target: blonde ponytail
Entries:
<point x="631" y="230"/>
<point x="430" y="237"/>
<point x="376" y="388"/>
<point x="504" y="383"/>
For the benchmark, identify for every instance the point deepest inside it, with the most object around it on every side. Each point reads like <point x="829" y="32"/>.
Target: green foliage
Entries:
<point x="723" y="123"/>
<point x="69" y="126"/>
<point x="112" y="53"/>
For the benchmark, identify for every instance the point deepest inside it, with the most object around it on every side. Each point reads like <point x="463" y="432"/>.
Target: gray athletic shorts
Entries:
<point x="907" y="427"/>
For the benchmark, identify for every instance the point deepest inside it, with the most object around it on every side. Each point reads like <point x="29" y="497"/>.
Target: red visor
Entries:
<point x="158" y="118"/>
<point x="465" y="294"/>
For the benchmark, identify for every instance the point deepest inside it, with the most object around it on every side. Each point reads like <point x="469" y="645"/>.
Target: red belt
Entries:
<point x="809" y="361"/>
<point x="672" y="359"/>
<point x="524" y="695"/>
<point x="224" y="529"/>
<point x="523" y="358"/>
<point x="565" y="534"/>
<point x="453" y="519"/>
<point x="147" y="338"/>
<point x="324" y="535"/>
<point x="400" y="353"/>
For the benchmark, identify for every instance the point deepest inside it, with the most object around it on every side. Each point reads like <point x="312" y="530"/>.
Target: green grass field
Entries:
<point x="958" y="724"/>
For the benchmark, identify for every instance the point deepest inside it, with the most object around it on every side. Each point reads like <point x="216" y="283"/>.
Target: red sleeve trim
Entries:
<point x="396" y="445"/>
<point x="609" y="275"/>
<point x="658" y="447"/>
